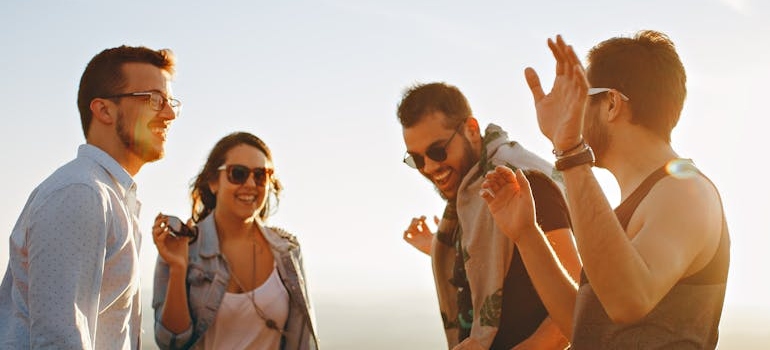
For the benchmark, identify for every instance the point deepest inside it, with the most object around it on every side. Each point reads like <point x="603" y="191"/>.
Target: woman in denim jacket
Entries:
<point x="230" y="282"/>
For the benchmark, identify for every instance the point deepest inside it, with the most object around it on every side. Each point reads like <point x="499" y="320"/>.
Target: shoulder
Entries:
<point x="677" y="205"/>
<point x="284" y="234"/>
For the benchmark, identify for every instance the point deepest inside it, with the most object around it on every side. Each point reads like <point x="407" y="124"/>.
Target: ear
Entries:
<point x="472" y="126"/>
<point x="615" y="107"/>
<point x="103" y="110"/>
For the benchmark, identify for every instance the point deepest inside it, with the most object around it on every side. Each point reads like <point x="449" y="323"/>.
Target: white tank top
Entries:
<point x="238" y="326"/>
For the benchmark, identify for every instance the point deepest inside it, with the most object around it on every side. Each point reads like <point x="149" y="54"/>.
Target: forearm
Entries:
<point x="552" y="282"/>
<point x="546" y="336"/>
<point x="616" y="270"/>
<point x="175" y="315"/>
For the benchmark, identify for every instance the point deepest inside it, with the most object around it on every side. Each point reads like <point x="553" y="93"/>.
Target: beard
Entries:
<point x="467" y="161"/>
<point x="141" y="147"/>
<point x="597" y="137"/>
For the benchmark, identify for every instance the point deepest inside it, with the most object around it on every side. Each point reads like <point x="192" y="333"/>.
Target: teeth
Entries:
<point x="247" y="198"/>
<point x="158" y="131"/>
<point x="441" y="176"/>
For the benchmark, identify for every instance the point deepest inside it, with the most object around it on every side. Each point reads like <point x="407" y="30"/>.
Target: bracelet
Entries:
<point x="558" y="154"/>
<point x="586" y="156"/>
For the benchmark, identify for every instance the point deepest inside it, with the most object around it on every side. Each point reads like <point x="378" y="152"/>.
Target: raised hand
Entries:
<point x="560" y="113"/>
<point x="172" y="249"/>
<point x="419" y="235"/>
<point x="510" y="201"/>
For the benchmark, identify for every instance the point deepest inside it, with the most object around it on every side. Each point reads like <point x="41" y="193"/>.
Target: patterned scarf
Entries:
<point x="470" y="261"/>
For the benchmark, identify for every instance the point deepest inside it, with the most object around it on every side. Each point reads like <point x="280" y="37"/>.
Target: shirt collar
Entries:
<point x="121" y="176"/>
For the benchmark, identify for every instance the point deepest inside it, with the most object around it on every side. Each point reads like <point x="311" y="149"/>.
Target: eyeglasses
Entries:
<point x="156" y="99"/>
<point x="594" y="91"/>
<point x="435" y="153"/>
<point x="238" y="174"/>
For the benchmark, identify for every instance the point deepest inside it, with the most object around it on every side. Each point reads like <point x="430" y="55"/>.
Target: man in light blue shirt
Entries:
<point x="72" y="280"/>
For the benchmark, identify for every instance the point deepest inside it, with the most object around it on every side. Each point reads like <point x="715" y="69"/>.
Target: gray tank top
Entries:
<point x="686" y="318"/>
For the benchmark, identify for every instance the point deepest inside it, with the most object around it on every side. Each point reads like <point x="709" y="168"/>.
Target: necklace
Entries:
<point x="269" y="322"/>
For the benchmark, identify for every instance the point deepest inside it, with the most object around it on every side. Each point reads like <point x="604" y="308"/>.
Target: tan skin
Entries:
<point x="148" y="127"/>
<point x="446" y="176"/>
<point x="673" y="234"/>
<point x="240" y="240"/>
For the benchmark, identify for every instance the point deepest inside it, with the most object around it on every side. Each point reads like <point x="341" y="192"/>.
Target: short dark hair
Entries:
<point x="103" y="75"/>
<point x="422" y="99"/>
<point x="203" y="200"/>
<point x="647" y="69"/>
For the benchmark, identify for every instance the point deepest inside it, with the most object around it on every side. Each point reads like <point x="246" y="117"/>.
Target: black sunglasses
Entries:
<point x="435" y="153"/>
<point x="238" y="174"/>
<point x="179" y="229"/>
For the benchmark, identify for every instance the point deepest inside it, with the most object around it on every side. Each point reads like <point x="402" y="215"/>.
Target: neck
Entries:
<point x="122" y="155"/>
<point x="229" y="227"/>
<point x="635" y="157"/>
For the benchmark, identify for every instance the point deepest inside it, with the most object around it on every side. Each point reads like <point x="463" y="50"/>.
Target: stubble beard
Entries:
<point x="141" y="148"/>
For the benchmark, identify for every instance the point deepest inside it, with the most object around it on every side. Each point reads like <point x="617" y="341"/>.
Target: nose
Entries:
<point x="167" y="112"/>
<point x="430" y="166"/>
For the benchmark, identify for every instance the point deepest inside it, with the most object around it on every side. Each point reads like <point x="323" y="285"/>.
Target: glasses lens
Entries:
<point x="238" y="174"/>
<point x="437" y="154"/>
<point x="414" y="161"/>
<point x="157" y="101"/>
<point x="260" y="176"/>
<point x="174" y="224"/>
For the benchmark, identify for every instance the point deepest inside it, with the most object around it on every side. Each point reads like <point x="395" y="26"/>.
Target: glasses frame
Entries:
<point x="260" y="173"/>
<point x="595" y="91"/>
<point x="175" y="104"/>
<point x="436" y="154"/>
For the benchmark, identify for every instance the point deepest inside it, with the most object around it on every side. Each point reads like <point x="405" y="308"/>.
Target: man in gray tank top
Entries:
<point x="655" y="267"/>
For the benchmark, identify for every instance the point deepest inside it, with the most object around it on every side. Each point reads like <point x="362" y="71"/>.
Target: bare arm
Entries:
<point x="672" y="235"/>
<point x="509" y="198"/>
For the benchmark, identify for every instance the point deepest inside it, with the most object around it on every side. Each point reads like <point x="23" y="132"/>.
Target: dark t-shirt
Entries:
<point x="522" y="310"/>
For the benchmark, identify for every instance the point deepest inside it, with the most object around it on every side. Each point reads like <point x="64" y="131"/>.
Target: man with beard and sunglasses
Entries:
<point x="655" y="267"/>
<point x="485" y="296"/>
<point x="72" y="280"/>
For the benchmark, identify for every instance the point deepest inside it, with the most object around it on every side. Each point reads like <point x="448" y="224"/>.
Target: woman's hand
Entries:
<point x="173" y="250"/>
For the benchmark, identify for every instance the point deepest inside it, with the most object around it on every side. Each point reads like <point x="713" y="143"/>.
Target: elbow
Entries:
<point x="629" y="311"/>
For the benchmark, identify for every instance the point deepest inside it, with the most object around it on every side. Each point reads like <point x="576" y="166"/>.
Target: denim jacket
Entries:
<point x="207" y="279"/>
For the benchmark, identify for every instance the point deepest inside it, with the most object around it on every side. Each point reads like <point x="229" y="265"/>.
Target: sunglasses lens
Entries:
<point x="238" y="174"/>
<point x="174" y="224"/>
<point x="437" y="154"/>
<point x="259" y="176"/>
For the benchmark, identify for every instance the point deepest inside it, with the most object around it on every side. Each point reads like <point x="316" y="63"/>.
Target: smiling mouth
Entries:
<point x="247" y="198"/>
<point x="442" y="177"/>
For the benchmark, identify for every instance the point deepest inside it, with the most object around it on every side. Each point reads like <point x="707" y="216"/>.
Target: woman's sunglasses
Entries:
<point x="435" y="153"/>
<point x="178" y="229"/>
<point x="238" y="174"/>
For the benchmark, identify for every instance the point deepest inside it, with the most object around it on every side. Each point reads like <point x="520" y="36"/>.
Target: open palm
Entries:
<point x="560" y="113"/>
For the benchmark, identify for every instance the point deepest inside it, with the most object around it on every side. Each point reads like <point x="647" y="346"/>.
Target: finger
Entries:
<point x="436" y="220"/>
<point x="487" y="194"/>
<point x="523" y="183"/>
<point x="533" y="81"/>
<point x="557" y="54"/>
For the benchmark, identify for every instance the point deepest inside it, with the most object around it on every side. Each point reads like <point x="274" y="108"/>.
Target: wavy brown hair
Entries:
<point x="204" y="201"/>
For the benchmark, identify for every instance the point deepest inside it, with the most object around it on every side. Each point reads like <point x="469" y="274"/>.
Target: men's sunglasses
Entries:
<point x="238" y="174"/>
<point x="435" y="153"/>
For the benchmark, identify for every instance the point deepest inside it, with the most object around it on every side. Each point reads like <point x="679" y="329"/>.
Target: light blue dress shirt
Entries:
<point x="73" y="275"/>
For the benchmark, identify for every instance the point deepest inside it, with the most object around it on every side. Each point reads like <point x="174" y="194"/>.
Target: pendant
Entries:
<point x="271" y="324"/>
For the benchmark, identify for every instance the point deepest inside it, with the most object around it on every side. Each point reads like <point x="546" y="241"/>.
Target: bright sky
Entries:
<point x="319" y="82"/>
